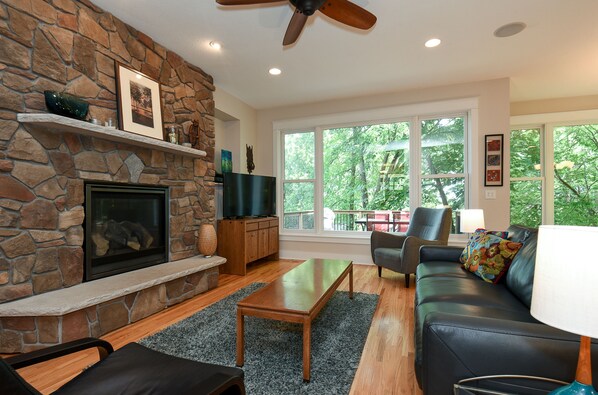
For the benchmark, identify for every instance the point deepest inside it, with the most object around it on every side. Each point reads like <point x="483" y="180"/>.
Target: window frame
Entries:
<point x="412" y="113"/>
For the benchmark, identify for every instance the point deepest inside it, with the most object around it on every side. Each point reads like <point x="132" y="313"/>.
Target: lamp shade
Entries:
<point x="471" y="219"/>
<point x="565" y="294"/>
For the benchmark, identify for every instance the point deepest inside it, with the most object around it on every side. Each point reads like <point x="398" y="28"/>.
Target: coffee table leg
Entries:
<point x="351" y="282"/>
<point x="240" y="338"/>
<point x="306" y="348"/>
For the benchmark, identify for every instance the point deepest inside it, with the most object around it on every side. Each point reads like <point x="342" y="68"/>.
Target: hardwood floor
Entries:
<point x="386" y="365"/>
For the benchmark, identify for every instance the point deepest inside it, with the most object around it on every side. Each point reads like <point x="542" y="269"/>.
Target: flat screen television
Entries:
<point x="245" y="195"/>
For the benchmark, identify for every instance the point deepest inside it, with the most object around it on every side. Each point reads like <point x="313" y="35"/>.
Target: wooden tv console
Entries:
<point x="242" y="241"/>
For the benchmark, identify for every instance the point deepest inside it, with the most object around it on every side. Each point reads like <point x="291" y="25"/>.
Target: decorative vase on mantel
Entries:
<point x="207" y="241"/>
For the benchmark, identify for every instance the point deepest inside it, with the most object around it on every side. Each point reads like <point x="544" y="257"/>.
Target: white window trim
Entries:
<point x="415" y="166"/>
<point x="429" y="110"/>
<point x="378" y="115"/>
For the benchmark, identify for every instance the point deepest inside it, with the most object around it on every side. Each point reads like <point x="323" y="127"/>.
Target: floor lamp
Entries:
<point x="565" y="295"/>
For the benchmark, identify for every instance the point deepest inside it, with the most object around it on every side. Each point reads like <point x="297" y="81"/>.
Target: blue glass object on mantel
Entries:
<point x="66" y="104"/>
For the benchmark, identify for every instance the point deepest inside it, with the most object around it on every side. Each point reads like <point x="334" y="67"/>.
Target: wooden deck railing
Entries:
<point x="348" y="220"/>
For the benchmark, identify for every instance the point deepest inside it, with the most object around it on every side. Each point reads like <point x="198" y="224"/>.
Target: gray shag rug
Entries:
<point x="273" y="349"/>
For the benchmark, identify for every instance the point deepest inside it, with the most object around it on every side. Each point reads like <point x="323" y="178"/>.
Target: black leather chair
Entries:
<point x="131" y="370"/>
<point x="400" y="251"/>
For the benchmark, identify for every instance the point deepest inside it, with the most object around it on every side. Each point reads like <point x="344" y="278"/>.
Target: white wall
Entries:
<point x="228" y="136"/>
<point x="236" y="126"/>
<point x="493" y="118"/>
<point x="562" y="104"/>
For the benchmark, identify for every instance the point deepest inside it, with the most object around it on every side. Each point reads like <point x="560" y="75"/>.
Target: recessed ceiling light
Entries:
<point x="433" y="42"/>
<point x="275" y="71"/>
<point x="510" y="29"/>
<point x="215" y="44"/>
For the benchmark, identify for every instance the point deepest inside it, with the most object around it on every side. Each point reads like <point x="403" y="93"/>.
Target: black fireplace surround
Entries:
<point x="126" y="228"/>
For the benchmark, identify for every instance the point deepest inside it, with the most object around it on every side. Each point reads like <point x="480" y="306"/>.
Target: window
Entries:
<point x="575" y="184"/>
<point x="364" y="177"/>
<point x="568" y="193"/>
<point x="299" y="180"/>
<point x="443" y="162"/>
<point x="526" y="178"/>
<point x="365" y="169"/>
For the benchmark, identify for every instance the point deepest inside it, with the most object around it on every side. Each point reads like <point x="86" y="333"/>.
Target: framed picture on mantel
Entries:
<point x="493" y="160"/>
<point x="139" y="104"/>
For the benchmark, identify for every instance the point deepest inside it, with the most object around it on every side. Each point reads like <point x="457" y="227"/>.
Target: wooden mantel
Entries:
<point x="57" y="123"/>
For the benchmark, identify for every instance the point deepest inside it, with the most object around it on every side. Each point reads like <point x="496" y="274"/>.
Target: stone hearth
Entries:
<point x="98" y="307"/>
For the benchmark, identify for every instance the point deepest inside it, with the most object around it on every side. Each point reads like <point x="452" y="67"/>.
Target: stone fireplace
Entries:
<point x="46" y="162"/>
<point x="46" y="300"/>
<point x="126" y="227"/>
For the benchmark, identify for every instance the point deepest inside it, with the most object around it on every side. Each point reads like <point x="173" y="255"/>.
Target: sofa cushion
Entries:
<point x="428" y="253"/>
<point x="425" y="309"/>
<point x="491" y="256"/>
<point x="466" y="291"/>
<point x="520" y="277"/>
<point x="520" y="233"/>
<point x="440" y="269"/>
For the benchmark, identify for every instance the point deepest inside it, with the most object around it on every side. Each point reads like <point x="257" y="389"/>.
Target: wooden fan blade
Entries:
<point x="245" y="2"/>
<point x="348" y="13"/>
<point x="295" y="27"/>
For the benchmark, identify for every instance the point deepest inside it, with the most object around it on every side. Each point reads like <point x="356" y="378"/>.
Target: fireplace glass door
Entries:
<point x="126" y="228"/>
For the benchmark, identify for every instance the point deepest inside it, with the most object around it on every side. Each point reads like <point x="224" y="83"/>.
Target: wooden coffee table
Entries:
<point x="297" y="296"/>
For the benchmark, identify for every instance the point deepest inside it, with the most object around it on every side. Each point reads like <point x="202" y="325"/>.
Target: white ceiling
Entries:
<point x="556" y="56"/>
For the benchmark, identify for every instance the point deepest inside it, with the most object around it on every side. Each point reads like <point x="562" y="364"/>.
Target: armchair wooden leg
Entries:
<point x="379" y="271"/>
<point x="407" y="275"/>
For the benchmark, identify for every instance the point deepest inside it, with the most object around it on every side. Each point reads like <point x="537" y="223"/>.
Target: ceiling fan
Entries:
<point x="342" y="11"/>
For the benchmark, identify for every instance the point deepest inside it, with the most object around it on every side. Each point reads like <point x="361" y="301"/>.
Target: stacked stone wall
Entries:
<point x="72" y="46"/>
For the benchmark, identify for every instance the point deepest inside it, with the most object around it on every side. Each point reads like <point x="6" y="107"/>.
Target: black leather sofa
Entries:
<point x="465" y="327"/>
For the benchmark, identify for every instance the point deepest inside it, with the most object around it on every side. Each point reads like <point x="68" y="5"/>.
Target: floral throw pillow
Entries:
<point x="491" y="257"/>
<point x="475" y="238"/>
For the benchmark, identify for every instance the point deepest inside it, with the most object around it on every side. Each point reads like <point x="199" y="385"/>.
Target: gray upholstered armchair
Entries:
<point x="400" y="251"/>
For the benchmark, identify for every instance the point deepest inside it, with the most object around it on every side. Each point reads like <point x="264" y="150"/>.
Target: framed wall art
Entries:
<point x="226" y="158"/>
<point x="139" y="104"/>
<point x="493" y="160"/>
